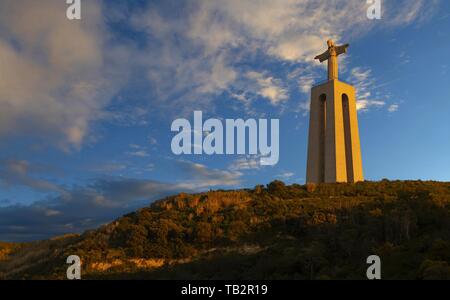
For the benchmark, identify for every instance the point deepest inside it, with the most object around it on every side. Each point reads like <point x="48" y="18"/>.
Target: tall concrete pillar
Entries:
<point x="334" y="152"/>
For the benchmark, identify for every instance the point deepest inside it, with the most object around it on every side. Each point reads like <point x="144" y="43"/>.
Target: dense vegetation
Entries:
<point x="269" y="232"/>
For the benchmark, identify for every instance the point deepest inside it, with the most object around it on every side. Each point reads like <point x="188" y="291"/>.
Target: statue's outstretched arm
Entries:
<point x="342" y="49"/>
<point x="323" y="57"/>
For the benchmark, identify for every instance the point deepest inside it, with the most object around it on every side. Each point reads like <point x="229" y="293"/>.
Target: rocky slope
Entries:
<point x="269" y="232"/>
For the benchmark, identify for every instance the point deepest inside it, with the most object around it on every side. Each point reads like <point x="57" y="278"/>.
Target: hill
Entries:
<point x="269" y="232"/>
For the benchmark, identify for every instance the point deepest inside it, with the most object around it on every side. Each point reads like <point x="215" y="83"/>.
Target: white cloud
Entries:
<point x="393" y="108"/>
<point x="286" y="175"/>
<point x="302" y="48"/>
<point x="400" y="13"/>
<point x="361" y="75"/>
<point x="287" y="29"/>
<point x="306" y="78"/>
<point x="61" y="75"/>
<point x="364" y="84"/>
<point x="269" y="87"/>
<point x="58" y="75"/>
<point x="203" y="177"/>
<point x="294" y="30"/>
<point x="365" y="105"/>
<point x="304" y="106"/>
<point x="306" y="83"/>
<point x="138" y="151"/>
<point x="252" y="162"/>
<point x="199" y="51"/>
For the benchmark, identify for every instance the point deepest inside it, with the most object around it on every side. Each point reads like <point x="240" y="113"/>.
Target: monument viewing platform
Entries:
<point x="322" y="82"/>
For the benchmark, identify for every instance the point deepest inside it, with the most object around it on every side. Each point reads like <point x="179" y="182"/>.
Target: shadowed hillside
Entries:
<point x="272" y="232"/>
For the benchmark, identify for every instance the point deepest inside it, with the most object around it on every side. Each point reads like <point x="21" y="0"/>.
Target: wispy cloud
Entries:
<point x="364" y="83"/>
<point x="138" y="151"/>
<point x="286" y="175"/>
<point x="365" y="105"/>
<point x="268" y="87"/>
<point x="23" y="173"/>
<point x="252" y="162"/>
<point x="223" y="34"/>
<point x="393" y="108"/>
<point x="62" y="76"/>
<point x="401" y="13"/>
<point x="108" y="167"/>
<point x="203" y="177"/>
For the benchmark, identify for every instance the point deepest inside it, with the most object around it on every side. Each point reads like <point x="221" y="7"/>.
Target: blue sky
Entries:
<point x="86" y="106"/>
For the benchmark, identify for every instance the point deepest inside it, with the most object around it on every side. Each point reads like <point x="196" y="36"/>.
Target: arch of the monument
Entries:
<point x="323" y="129"/>
<point x="348" y="138"/>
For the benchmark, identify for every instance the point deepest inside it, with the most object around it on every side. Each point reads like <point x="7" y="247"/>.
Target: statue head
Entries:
<point x="330" y="43"/>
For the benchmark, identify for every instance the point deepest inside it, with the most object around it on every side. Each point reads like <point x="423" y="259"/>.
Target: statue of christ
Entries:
<point x="331" y="55"/>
